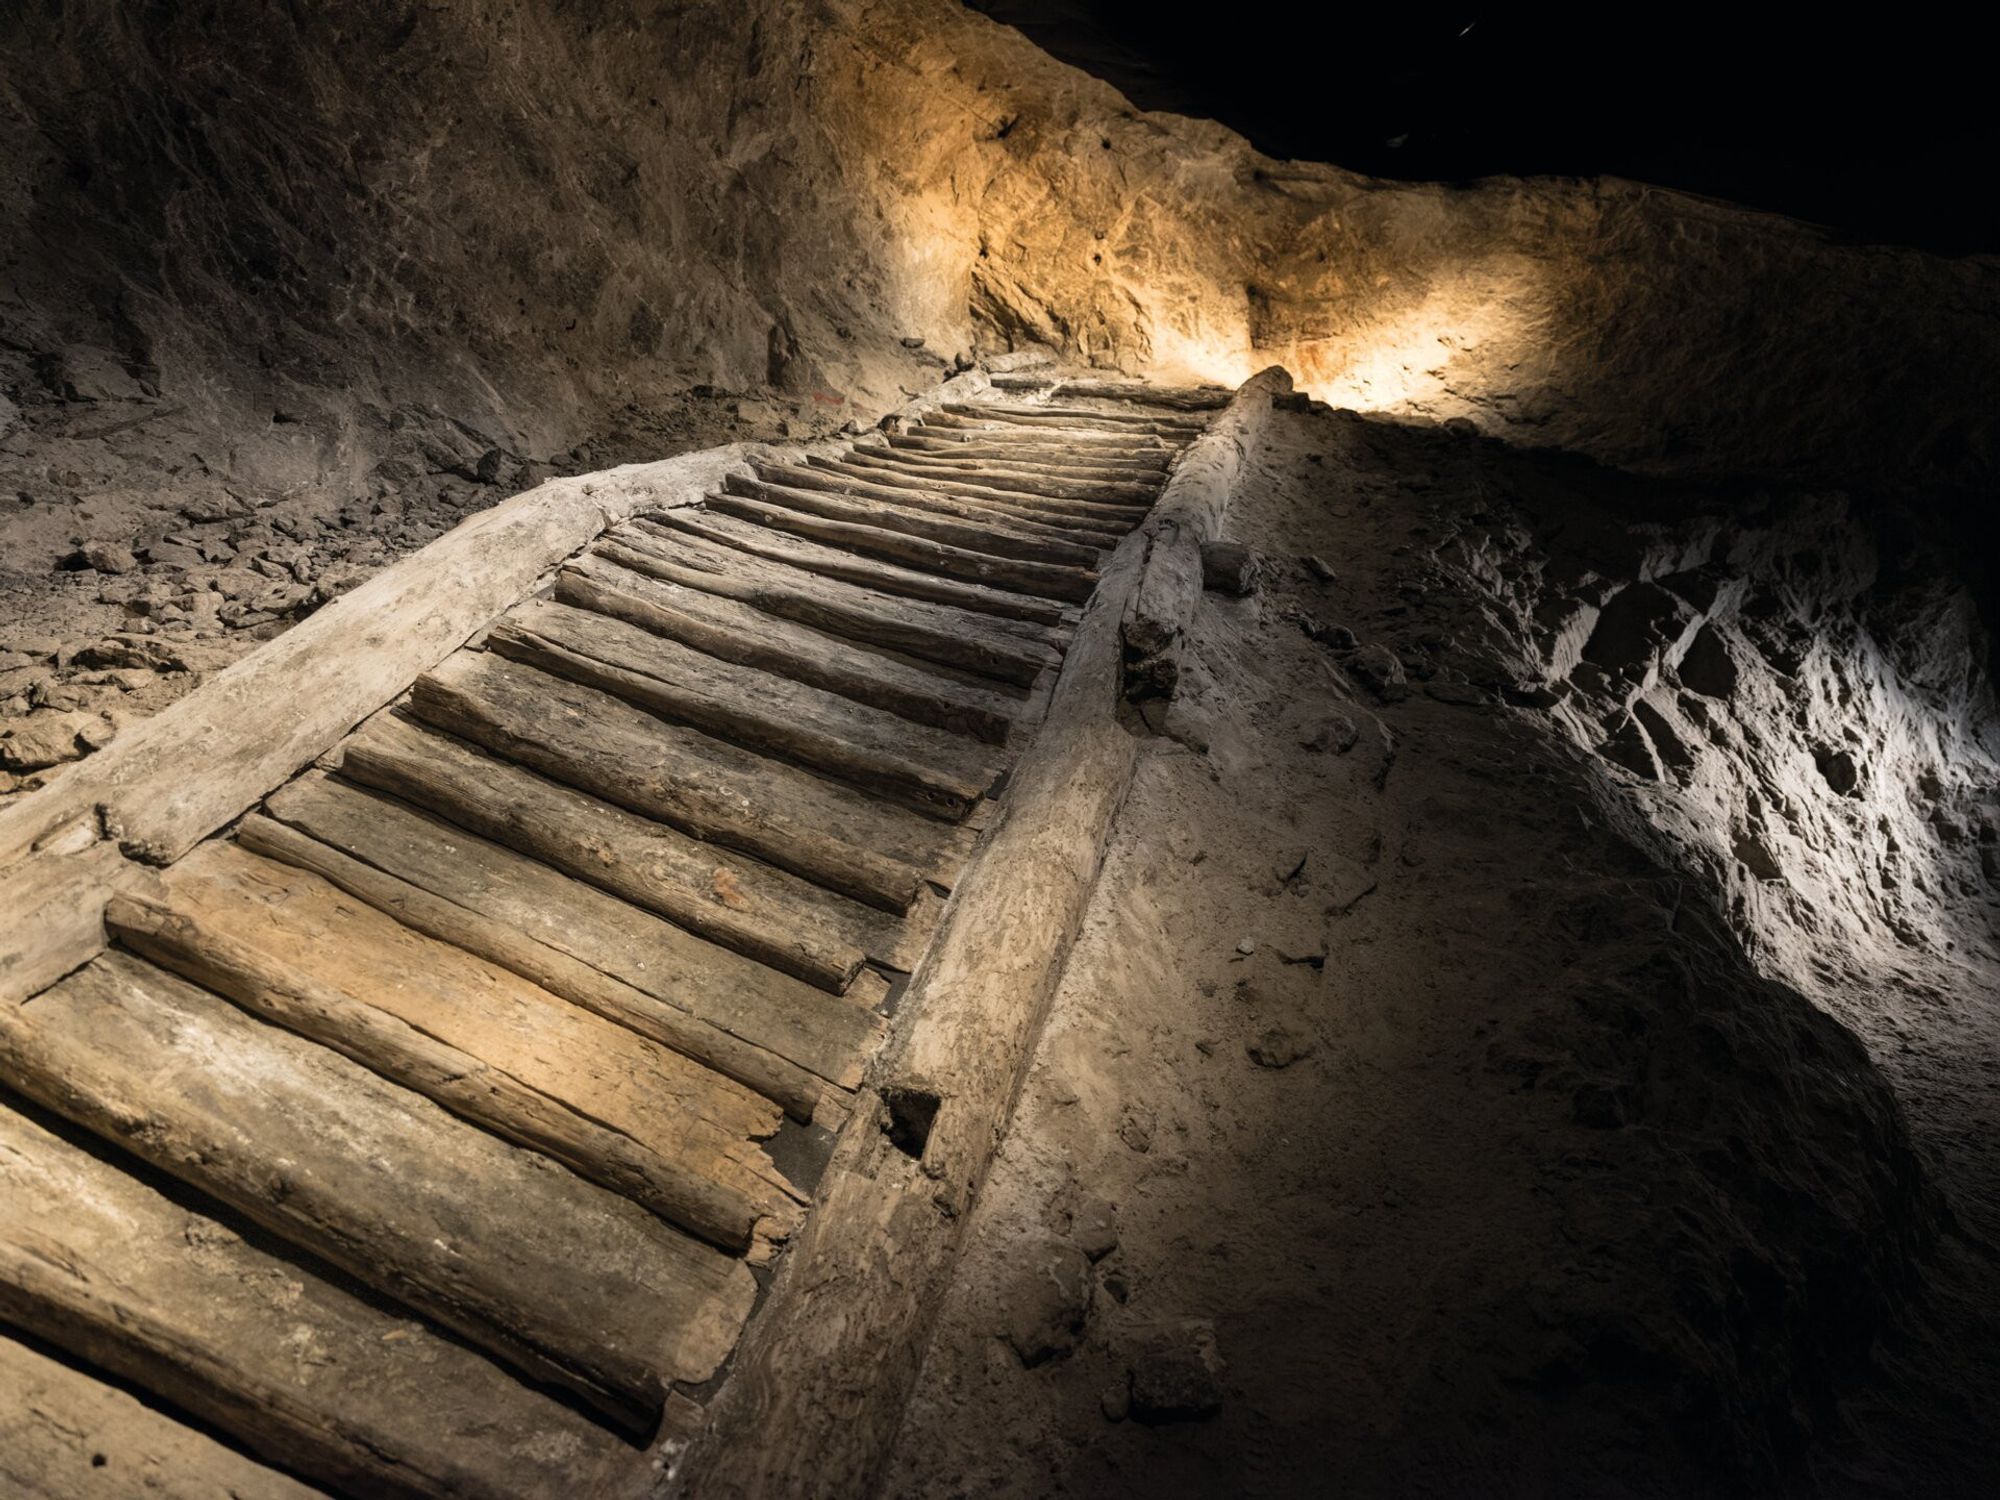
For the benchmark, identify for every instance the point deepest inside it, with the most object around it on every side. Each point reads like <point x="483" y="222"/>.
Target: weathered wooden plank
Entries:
<point x="1098" y="524"/>
<point x="817" y="1388"/>
<point x="739" y="632"/>
<point x="52" y="914"/>
<point x="716" y="791"/>
<point x="1050" y="580"/>
<point x="66" y="1435"/>
<point x="1079" y="417"/>
<point x="480" y="1040"/>
<point x="1057" y="519"/>
<point x="882" y="507"/>
<point x="964" y="444"/>
<point x="787" y="1084"/>
<point x="562" y="1279"/>
<point x="1189" y="513"/>
<point x="931" y="770"/>
<point x="721" y="989"/>
<point x="974" y="610"/>
<point x="1078" y="440"/>
<point x="356" y="1395"/>
<point x="1176" y="398"/>
<point x="256" y="723"/>
<point x="740" y="903"/>
<point x="1110" y="500"/>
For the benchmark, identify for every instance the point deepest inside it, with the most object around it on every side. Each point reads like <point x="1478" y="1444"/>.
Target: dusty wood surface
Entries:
<point x="1061" y="522"/>
<point x="1052" y="492"/>
<point x="931" y="770"/>
<point x="52" y="915"/>
<point x="720" y="989"/>
<point x="1083" y="388"/>
<point x="703" y="786"/>
<point x="783" y="1082"/>
<point x="969" y="565"/>
<point x="935" y="631"/>
<point x="564" y="1280"/>
<point x="1190" y="513"/>
<point x="740" y="903"/>
<point x="819" y="493"/>
<point x="297" y="1369"/>
<point x="733" y="631"/>
<point x="965" y="446"/>
<point x="1093" y="419"/>
<point x="334" y="669"/>
<point x="818" y="1387"/>
<point x="1078" y="440"/>
<point x="486" y="1044"/>
<point x="65" y="1435"/>
<point x="867" y="572"/>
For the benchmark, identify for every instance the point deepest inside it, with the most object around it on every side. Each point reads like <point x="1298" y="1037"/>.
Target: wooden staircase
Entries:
<point x="428" y="1131"/>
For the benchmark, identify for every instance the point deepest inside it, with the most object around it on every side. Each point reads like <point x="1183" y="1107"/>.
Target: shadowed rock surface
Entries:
<point x="1537" y="1021"/>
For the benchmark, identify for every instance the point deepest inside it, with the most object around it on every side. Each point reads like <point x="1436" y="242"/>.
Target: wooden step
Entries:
<point x="1051" y="581"/>
<point x="66" y="1435"/>
<point x="1107" y="500"/>
<point x="742" y="633"/>
<point x="713" y="988"/>
<point x="301" y="1371"/>
<point x="929" y="770"/>
<point x="1176" y="398"/>
<point x="481" y="1041"/>
<point x="1084" y="418"/>
<point x="1096" y="526"/>
<point x="785" y="1083"/>
<point x="740" y="903"/>
<point x="964" y="446"/>
<point x="831" y="834"/>
<point x="856" y="501"/>
<point x="1098" y="523"/>
<point x="564" y="1280"/>
<point x="703" y="550"/>
<point x="1082" y="440"/>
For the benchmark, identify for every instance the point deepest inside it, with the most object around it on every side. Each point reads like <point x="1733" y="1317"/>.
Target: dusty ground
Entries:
<point x="129" y="572"/>
<point x="1412" y="1118"/>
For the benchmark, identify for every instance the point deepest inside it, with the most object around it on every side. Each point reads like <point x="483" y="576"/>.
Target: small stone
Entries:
<point x="1378" y="669"/>
<point x="912" y="343"/>
<point x="1116" y="1400"/>
<point x="1333" y="637"/>
<point x="1336" y="733"/>
<point x="1048" y="1301"/>
<point x="108" y="557"/>
<point x="1451" y="690"/>
<point x="1247" y="947"/>
<point x="1320" y="569"/>
<point x="1177" y="1374"/>
<point x="1136" y="1131"/>
<point x="1093" y="1226"/>
<point x="45" y="740"/>
<point x="1289" y="864"/>
<point x="1279" y="1047"/>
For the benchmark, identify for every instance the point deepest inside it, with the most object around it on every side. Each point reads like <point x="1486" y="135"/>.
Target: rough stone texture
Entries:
<point x="1607" y="1174"/>
<point x="274" y="305"/>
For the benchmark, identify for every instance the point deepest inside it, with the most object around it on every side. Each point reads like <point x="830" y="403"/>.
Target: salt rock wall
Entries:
<point x="293" y="239"/>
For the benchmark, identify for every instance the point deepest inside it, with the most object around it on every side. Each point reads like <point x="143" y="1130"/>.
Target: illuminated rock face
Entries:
<point x="524" y="218"/>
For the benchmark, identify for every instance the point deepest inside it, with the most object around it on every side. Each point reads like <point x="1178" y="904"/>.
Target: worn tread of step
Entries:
<point x="746" y="999"/>
<point x="1060" y="520"/>
<point x="486" y="1044"/>
<point x="66" y="1435"/>
<point x="782" y="512"/>
<point x="821" y="830"/>
<point x="930" y="770"/>
<point x="742" y="633"/>
<point x="883" y="604"/>
<point x="738" y="902"/>
<point x="561" y="1278"/>
<point x="843" y="498"/>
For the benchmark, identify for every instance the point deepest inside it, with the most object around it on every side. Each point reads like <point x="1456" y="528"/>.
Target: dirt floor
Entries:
<point x="129" y="572"/>
<point x="1412" y="1118"/>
